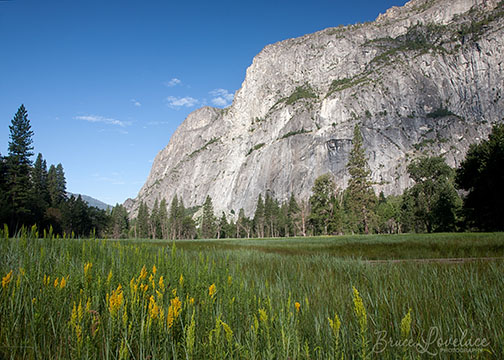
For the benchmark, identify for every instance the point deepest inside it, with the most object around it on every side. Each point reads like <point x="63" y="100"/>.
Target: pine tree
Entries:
<point x="271" y="216"/>
<point x="222" y="227"/>
<point x="119" y="223"/>
<point x="188" y="227"/>
<point x="143" y="221"/>
<point x="56" y="185"/>
<point x="207" y="227"/>
<point x="359" y="196"/>
<point x="323" y="204"/>
<point x="18" y="168"/>
<point x="40" y="193"/>
<point x="75" y="217"/>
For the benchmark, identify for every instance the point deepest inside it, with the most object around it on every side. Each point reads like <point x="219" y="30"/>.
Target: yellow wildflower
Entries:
<point x="7" y="279"/>
<point x="169" y="317"/>
<point x="153" y="308"/>
<point x="73" y="317"/>
<point x="335" y="325"/>
<point x="115" y="300"/>
<point x="228" y="331"/>
<point x="176" y="304"/>
<point x="80" y="313"/>
<point x="154" y="269"/>
<point x="143" y="273"/>
<point x="212" y="290"/>
<point x="63" y="282"/>
<point x="151" y="280"/>
<point x="161" y="283"/>
<point x="125" y="318"/>
<point x="298" y="306"/>
<point x="190" y="336"/>
<point x="87" y="268"/>
<point x="56" y="282"/>
<point x="174" y="291"/>
<point x="256" y="324"/>
<point x="181" y="280"/>
<point x="191" y="301"/>
<point x="173" y="311"/>
<point x="133" y="285"/>
<point x="34" y="300"/>
<point x="360" y="310"/>
<point x="88" y="305"/>
<point x="109" y="277"/>
<point x="263" y="316"/>
<point x="406" y="325"/>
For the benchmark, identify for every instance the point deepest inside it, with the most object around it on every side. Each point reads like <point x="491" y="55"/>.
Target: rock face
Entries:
<point x="425" y="78"/>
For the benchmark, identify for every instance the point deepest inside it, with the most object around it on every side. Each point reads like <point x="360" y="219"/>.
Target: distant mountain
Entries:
<point x="92" y="201"/>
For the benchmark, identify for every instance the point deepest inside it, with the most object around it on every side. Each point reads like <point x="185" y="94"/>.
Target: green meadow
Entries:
<point x="296" y="298"/>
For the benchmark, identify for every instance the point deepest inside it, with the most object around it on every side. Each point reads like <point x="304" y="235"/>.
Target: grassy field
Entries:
<point x="252" y="299"/>
<point x="370" y="247"/>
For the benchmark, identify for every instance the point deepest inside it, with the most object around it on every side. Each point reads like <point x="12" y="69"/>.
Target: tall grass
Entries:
<point x="138" y="300"/>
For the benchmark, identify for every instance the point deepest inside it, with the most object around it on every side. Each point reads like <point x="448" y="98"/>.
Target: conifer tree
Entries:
<point x="323" y="204"/>
<point x="18" y="168"/>
<point x="40" y="193"/>
<point x="56" y="185"/>
<point x="176" y="218"/>
<point x="207" y="227"/>
<point x="143" y="221"/>
<point x="222" y="227"/>
<point x="119" y="222"/>
<point x="271" y="216"/>
<point x="360" y="198"/>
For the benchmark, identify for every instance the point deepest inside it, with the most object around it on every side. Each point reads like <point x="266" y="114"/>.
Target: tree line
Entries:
<point x="442" y="199"/>
<point x="33" y="194"/>
<point x="470" y="197"/>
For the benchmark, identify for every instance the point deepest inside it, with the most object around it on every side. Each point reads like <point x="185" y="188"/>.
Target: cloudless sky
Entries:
<point x="106" y="83"/>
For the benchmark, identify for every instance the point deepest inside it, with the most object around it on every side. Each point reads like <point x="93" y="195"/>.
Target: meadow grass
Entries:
<point x="370" y="247"/>
<point x="191" y="300"/>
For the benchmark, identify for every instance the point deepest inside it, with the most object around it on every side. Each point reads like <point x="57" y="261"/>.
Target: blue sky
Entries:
<point x="106" y="83"/>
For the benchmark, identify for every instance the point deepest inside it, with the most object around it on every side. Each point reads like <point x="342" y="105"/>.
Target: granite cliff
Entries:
<point x="425" y="78"/>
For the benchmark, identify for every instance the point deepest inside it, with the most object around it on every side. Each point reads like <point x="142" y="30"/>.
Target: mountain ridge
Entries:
<point x="422" y="78"/>
<point x="91" y="201"/>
